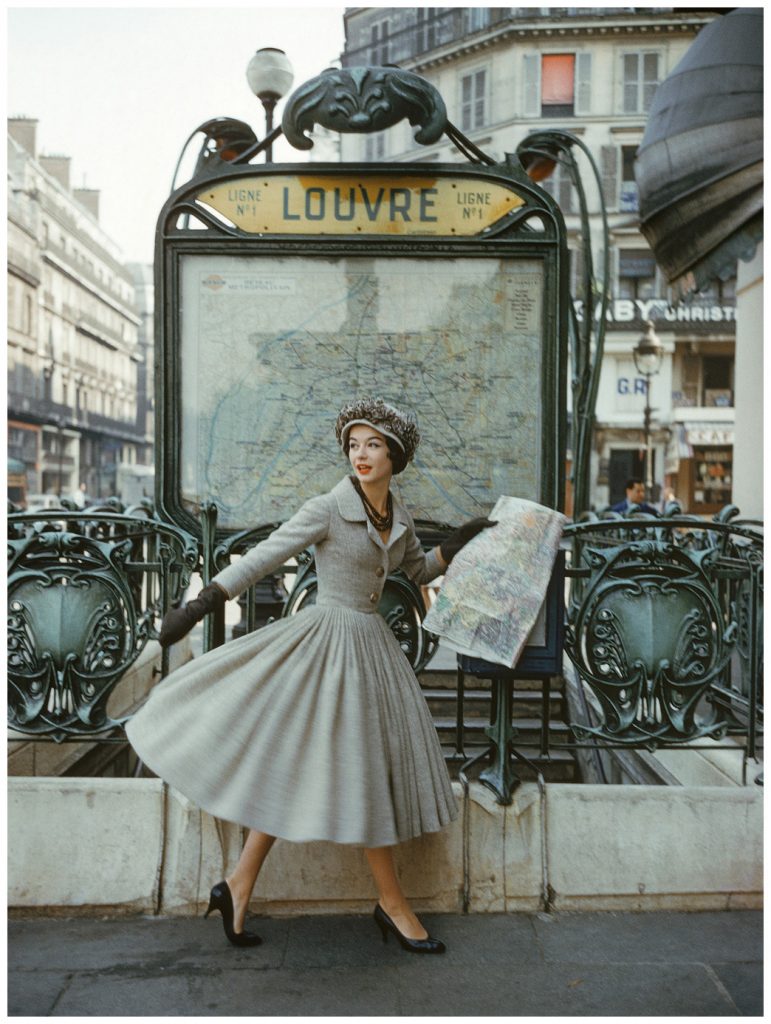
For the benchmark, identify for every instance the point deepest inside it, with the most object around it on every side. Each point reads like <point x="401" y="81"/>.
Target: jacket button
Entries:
<point x="379" y="571"/>
<point x="373" y="598"/>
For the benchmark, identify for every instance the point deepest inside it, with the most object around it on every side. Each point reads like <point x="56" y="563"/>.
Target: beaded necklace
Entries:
<point x="382" y="523"/>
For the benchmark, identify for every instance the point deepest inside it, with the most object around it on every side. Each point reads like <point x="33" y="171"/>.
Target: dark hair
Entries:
<point x="633" y="481"/>
<point x="398" y="458"/>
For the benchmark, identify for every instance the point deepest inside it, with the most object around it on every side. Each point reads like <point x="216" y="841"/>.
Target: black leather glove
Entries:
<point x="177" y="622"/>
<point x="452" y="545"/>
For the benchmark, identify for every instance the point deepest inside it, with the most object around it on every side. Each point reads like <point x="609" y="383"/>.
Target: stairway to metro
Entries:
<point x="439" y="684"/>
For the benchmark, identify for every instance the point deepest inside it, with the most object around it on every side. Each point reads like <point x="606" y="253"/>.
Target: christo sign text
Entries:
<point x="333" y="204"/>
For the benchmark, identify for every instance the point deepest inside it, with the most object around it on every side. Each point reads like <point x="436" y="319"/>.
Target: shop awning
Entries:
<point x="699" y="168"/>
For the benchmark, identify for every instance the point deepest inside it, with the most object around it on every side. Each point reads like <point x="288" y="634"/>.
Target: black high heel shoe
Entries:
<point x="386" y="925"/>
<point x="221" y="899"/>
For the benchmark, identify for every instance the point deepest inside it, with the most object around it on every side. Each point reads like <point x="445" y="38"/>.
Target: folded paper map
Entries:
<point x="494" y="588"/>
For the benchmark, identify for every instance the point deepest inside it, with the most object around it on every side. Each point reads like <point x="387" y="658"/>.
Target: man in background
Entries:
<point x="635" y="496"/>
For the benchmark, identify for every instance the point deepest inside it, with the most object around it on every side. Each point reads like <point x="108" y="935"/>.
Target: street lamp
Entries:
<point x="270" y="77"/>
<point x="648" y="354"/>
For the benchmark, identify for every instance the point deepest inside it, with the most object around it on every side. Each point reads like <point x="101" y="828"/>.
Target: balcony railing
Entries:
<point x="692" y="396"/>
<point x="43" y="410"/>
<point x="456" y="25"/>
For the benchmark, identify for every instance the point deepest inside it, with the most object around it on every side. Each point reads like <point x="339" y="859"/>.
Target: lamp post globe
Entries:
<point x="648" y="352"/>
<point x="270" y="76"/>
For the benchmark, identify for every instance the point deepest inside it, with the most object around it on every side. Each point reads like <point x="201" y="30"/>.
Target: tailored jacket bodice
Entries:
<point x="352" y="561"/>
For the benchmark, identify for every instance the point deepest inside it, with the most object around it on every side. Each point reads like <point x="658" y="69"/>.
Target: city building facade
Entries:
<point x="74" y="356"/>
<point x="506" y="72"/>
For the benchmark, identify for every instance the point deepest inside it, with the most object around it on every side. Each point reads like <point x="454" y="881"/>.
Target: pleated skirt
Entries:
<point x="313" y="727"/>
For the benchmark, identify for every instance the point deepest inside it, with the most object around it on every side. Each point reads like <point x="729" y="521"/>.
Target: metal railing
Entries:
<point x="663" y="625"/>
<point x="86" y="590"/>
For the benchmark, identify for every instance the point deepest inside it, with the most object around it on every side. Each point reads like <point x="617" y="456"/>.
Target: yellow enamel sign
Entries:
<point x="345" y="204"/>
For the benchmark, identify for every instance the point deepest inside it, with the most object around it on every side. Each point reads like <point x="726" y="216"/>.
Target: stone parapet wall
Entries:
<point x="96" y="846"/>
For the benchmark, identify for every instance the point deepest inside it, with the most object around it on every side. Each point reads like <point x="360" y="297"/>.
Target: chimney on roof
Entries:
<point x="24" y="131"/>
<point x="88" y="197"/>
<point x="58" y="167"/>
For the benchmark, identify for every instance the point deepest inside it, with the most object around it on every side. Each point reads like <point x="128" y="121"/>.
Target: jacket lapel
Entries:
<point x="348" y="502"/>
<point x="401" y="521"/>
<point x="350" y="506"/>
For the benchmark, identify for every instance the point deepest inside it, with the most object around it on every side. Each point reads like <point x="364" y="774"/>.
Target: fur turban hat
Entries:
<point x="400" y="427"/>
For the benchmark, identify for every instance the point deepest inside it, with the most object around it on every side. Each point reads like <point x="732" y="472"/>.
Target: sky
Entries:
<point x="119" y="90"/>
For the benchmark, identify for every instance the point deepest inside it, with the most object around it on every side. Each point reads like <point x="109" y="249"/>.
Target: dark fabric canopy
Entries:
<point x="699" y="168"/>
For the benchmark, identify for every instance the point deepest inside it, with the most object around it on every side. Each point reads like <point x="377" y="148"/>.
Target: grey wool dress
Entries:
<point x="313" y="727"/>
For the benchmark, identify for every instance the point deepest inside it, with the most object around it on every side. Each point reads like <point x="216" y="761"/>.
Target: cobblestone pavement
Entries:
<point x="629" y="964"/>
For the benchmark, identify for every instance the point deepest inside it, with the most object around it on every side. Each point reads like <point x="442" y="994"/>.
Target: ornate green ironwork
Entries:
<point x="587" y="336"/>
<point x="364" y="100"/>
<point x="653" y="623"/>
<point x="83" y="597"/>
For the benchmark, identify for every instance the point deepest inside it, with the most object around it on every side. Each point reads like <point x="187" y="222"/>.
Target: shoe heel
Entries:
<point x="221" y="899"/>
<point x="381" y="924"/>
<point x="215" y="902"/>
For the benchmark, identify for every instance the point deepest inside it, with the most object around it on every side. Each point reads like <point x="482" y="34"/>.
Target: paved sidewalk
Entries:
<point x="645" y="964"/>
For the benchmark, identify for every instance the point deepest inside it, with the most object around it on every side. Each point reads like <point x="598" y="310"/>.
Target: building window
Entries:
<point x="425" y="33"/>
<point x="718" y="378"/>
<point x="705" y="382"/>
<point x="556" y="84"/>
<point x="636" y="274"/>
<point x="477" y="18"/>
<point x="27" y="323"/>
<point x="374" y="147"/>
<point x="641" y="77"/>
<point x="378" y="48"/>
<point x="720" y="293"/>
<point x="628" y="199"/>
<point x="473" y="101"/>
<point x="712" y="478"/>
<point x="559" y="185"/>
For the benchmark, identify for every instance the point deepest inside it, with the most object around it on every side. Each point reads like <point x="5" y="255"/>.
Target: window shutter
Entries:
<point x="691" y="367"/>
<point x="565" y="192"/>
<point x="480" y="99"/>
<point x="583" y="83"/>
<point x="531" y="93"/>
<point x="609" y="171"/>
<point x="630" y="64"/>
<point x="577" y="273"/>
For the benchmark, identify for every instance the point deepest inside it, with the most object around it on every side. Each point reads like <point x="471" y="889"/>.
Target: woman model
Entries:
<point x="315" y="727"/>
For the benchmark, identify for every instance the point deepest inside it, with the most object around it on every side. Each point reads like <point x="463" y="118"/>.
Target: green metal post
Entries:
<point x="213" y="625"/>
<point x="500" y="777"/>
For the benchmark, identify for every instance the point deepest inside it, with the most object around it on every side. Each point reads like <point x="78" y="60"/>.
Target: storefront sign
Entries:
<point x="705" y="434"/>
<point x="637" y="311"/>
<point x="344" y="204"/>
<point x="631" y="385"/>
